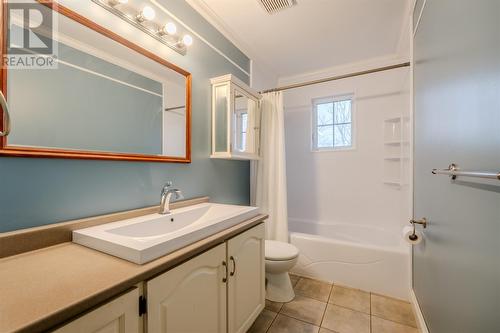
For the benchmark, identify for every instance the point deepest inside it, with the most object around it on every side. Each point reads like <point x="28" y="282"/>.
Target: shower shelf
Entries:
<point x="393" y="120"/>
<point x="393" y="182"/>
<point x="395" y="158"/>
<point x="396" y="143"/>
<point x="396" y="150"/>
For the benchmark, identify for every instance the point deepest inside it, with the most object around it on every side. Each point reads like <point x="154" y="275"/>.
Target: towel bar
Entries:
<point x="453" y="171"/>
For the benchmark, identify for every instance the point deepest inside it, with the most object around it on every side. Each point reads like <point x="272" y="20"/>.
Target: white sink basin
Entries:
<point x="148" y="237"/>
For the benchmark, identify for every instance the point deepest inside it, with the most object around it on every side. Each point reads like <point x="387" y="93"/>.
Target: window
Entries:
<point x="332" y="123"/>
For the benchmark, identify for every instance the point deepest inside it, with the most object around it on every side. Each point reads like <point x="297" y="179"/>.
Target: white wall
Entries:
<point x="347" y="186"/>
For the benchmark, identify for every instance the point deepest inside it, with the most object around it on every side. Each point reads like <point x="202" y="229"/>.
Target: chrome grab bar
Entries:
<point x="453" y="171"/>
<point x="6" y="117"/>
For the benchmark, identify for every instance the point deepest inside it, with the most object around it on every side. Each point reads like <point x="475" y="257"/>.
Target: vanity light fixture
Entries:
<point x="168" y="29"/>
<point x="117" y="2"/>
<point x="147" y="14"/>
<point x="187" y="40"/>
<point x="144" y="20"/>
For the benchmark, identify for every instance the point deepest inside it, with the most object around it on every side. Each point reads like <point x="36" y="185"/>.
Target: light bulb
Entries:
<point x="147" y="14"/>
<point x="168" y="29"/>
<point x="187" y="40"/>
<point x="117" y="2"/>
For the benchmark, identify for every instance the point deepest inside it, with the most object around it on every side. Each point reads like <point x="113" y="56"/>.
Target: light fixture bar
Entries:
<point x="174" y="45"/>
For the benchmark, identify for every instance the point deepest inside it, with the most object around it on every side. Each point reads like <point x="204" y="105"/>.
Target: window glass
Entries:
<point x="332" y="124"/>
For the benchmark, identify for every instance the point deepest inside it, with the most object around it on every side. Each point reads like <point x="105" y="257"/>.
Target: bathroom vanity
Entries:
<point x="199" y="295"/>
<point x="215" y="284"/>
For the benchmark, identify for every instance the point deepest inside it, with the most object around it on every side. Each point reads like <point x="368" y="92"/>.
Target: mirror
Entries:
<point x="105" y="98"/>
<point x="245" y="113"/>
<point x="221" y="106"/>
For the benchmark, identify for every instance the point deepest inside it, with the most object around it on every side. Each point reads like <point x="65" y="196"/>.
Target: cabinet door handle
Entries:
<point x="234" y="266"/>
<point x="224" y="279"/>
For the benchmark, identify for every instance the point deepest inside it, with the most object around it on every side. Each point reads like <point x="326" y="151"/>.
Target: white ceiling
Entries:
<point x="313" y="35"/>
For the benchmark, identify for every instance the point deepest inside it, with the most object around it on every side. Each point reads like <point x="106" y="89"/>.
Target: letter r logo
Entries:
<point x="30" y="29"/>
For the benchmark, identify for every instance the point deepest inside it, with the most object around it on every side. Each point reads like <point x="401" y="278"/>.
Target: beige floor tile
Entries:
<point x="263" y="321"/>
<point x="294" y="279"/>
<point x="350" y="298"/>
<point x="313" y="288"/>
<point x="393" y="310"/>
<point x="324" y="330"/>
<point x="285" y="324"/>
<point x="306" y="309"/>
<point x="344" y="320"/>
<point x="273" y="306"/>
<point x="380" y="325"/>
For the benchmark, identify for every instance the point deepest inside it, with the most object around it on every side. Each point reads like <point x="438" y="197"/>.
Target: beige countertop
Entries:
<point x="42" y="288"/>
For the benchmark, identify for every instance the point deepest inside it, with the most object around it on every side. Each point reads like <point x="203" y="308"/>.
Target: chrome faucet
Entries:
<point x="166" y="195"/>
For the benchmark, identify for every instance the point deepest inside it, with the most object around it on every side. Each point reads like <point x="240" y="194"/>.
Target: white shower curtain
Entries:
<point x="269" y="173"/>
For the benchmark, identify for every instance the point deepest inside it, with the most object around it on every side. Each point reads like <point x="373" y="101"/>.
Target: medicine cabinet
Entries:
<point x="235" y="119"/>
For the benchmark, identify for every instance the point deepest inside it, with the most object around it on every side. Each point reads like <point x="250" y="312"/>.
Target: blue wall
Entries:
<point x="35" y="192"/>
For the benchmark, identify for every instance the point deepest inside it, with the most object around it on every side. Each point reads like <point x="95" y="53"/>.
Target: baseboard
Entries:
<point x="418" y="313"/>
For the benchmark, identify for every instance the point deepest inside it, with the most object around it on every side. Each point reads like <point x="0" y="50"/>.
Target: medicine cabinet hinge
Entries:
<point x="143" y="305"/>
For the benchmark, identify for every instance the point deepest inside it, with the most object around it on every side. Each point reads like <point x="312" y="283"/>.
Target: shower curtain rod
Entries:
<point x="334" y="78"/>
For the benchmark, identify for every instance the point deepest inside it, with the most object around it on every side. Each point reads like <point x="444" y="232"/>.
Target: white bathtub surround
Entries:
<point x="348" y="186"/>
<point x="271" y="191"/>
<point x="361" y="257"/>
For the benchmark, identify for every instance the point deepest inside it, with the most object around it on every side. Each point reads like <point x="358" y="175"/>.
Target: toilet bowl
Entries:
<point x="280" y="258"/>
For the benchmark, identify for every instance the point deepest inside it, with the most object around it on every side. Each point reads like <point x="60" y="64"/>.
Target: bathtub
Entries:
<point x="356" y="256"/>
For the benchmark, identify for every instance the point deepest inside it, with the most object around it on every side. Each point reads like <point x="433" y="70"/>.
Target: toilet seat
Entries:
<point x="280" y="251"/>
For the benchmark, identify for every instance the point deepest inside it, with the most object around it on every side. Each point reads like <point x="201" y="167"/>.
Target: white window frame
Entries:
<point x="314" y="125"/>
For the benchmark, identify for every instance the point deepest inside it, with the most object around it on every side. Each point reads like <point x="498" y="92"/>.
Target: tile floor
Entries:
<point x="320" y="307"/>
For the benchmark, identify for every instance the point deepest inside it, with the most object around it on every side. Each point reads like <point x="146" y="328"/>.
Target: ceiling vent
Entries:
<point x="274" y="6"/>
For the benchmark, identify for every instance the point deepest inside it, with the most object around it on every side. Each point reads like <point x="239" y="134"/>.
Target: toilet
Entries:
<point x="280" y="258"/>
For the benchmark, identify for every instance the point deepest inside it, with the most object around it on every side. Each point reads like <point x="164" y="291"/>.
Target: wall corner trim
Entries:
<point x="422" y="326"/>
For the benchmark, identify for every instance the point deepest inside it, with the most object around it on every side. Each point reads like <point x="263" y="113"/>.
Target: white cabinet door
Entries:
<point x="246" y="287"/>
<point x="120" y="315"/>
<point x="191" y="297"/>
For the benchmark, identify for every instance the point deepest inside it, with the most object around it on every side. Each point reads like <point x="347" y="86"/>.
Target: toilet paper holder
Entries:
<point x="422" y="221"/>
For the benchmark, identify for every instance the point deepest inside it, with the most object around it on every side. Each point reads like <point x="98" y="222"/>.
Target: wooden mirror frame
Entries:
<point x="5" y="150"/>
